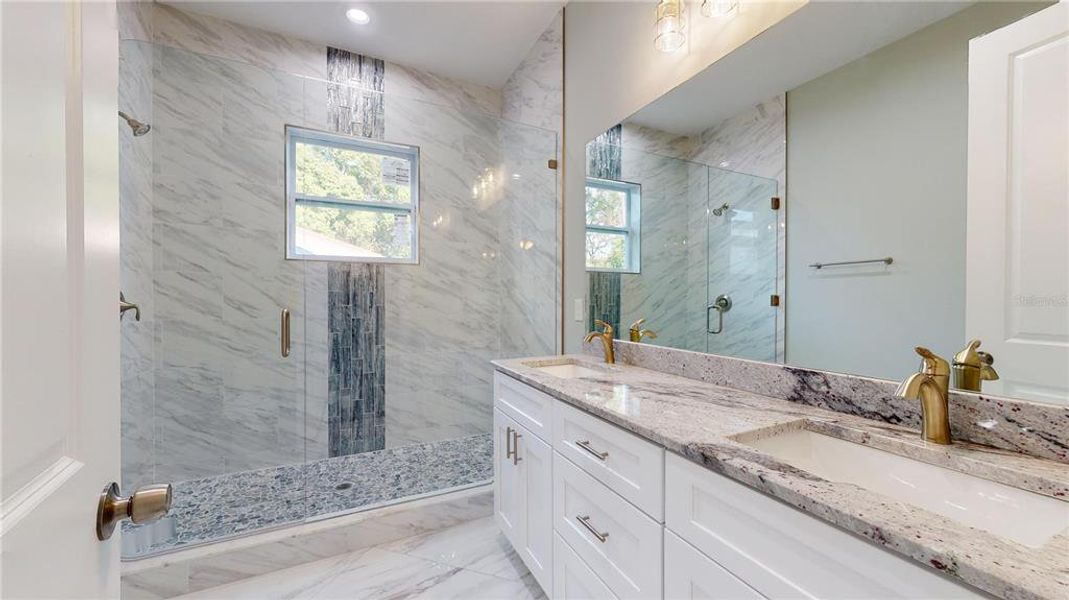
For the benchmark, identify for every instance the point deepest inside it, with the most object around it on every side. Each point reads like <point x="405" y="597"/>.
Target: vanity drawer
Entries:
<point x="631" y="466"/>
<point x="572" y="578"/>
<point x="782" y="552"/>
<point x="527" y="406"/>
<point x="618" y="541"/>
<point x="691" y="575"/>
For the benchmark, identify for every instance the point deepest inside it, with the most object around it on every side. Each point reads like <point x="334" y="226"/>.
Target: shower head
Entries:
<point x="720" y="211"/>
<point x="136" y="126"/>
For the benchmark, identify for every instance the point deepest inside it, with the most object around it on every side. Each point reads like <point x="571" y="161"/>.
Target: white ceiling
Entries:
<point x="480" y="42"/>
<point x="816" y="39"/>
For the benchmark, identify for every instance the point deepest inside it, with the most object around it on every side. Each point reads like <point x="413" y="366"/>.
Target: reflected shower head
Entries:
<point x="136" y="126"/>
<point x="720" y="211"/>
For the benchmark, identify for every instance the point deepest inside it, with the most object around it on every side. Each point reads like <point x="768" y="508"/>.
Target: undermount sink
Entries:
<point x="565" y="370"/>
<point x="1019" y="515"/>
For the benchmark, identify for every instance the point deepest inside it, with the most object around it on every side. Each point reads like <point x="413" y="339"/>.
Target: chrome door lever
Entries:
<point x="125" y="306"/>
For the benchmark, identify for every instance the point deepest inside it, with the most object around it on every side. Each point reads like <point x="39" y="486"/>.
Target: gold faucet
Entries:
<point x="637" y="332"/>
<point x="931" y="386"/>
<point x="606" y="339"/>
<point x="972" y="368"/>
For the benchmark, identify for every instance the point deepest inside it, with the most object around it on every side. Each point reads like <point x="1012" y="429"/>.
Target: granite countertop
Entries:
<point x="701" y="422"/>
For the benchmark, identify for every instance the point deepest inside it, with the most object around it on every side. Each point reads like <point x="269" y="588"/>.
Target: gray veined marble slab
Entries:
<point x="700" y="421"/>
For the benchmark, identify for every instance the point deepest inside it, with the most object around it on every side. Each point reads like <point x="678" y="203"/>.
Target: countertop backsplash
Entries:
<point x="1034" y="429"/>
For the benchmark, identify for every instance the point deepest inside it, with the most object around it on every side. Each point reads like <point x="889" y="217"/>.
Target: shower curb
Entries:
<point x="226" y="561"/>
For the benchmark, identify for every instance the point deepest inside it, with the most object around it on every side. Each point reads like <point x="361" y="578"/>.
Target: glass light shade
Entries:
<point x="669" y="35"/>
<point x="719" y="8"/>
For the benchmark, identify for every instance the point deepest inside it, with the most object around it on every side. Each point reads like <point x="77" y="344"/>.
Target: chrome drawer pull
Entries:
<point x="508" y="443"/>
<point x="585" y="445"/>
<point x="516" y="447"/>
<point x="585" y="522"/>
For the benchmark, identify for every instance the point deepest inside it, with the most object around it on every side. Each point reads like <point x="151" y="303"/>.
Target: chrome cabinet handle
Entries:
<point x="585" y="522"/>
<point x="585" y="445"/>
<point x="125" y="306"/>
<point x="516" y="447"/>
<point x="508" y="443"/>
<point x="285" y="332"/>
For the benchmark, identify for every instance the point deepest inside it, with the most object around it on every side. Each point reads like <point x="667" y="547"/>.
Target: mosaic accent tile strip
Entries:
<point x="604" y="300"/>
<point x="605" y="161"/>
<point x="356" y="404"/>
<point x="215" y="508"/>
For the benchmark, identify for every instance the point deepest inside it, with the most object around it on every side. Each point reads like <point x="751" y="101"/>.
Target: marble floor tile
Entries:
<point x="469" y="561"/>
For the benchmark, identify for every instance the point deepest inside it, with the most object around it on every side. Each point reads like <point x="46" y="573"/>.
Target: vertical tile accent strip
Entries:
<point x="356" y="404"/>
<point x="605" y="161"/>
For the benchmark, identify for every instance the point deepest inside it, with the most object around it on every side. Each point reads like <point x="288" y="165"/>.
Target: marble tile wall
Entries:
<point x="137" y="354"/>
<point x="533" y="95"/>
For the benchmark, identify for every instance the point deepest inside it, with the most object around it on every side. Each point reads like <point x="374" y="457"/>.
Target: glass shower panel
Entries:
<point x="741" y="261"/>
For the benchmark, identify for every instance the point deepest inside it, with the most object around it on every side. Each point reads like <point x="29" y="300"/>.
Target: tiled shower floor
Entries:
<point x="215" y="508"/>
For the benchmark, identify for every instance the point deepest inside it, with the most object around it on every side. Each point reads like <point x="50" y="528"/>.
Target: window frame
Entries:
<point x="632" y="233"/>
<point x="295" y="134"/>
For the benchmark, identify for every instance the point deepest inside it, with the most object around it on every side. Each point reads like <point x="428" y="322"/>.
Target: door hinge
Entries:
<point x="775" y="202"/>
<point x="552" y="163"/>
<point x="774" y="300"/>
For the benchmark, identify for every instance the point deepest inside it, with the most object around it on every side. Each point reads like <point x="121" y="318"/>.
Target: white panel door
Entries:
<point x="536" y="469"/>
<point x="1017" y="266"/>
<point x="59" y="286"/>
<point x="508" y="484"/>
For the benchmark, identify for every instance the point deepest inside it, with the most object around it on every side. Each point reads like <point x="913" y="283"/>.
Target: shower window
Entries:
<point x="351" y="199"/>
<point x="612" y="225"/>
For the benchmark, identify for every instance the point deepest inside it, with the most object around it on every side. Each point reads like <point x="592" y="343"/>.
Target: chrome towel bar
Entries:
<point x="886" y="260"/>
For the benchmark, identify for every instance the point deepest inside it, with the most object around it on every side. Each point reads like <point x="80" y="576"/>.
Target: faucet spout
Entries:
<point x="930" y="386"/>
<point x="606" y="337"/>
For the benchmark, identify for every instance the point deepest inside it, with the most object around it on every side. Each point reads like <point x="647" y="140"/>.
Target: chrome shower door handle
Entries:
<point x="722" y="304"/>
<point x="285" y="332"/>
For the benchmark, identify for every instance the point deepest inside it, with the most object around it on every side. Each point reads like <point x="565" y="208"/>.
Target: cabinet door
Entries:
<point x="536" y="459"/>
<point x="509" y="496"/>
<point x="572" y="578"/>
<point x="690" y="575"/>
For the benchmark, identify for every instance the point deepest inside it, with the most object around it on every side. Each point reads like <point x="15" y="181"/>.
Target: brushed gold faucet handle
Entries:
<point x="607" y="329"/>
<point x="987" y="372"/>
<point x="931" y="363"/>
<point x="649" y="333"/>
<point x="638" y="324"/>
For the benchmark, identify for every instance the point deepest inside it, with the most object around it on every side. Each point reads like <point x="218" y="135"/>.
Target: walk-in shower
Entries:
<point x="385" y="394"/>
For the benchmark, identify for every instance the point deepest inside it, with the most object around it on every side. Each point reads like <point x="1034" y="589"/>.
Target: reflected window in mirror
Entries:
<point x="613" y="216"/>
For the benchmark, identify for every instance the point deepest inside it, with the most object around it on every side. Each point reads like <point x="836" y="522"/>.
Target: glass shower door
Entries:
<point x="741" y="264"/>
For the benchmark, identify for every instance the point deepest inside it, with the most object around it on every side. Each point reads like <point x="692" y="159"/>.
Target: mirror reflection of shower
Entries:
<point x="716" y="211"/>
<point x="136" y="126"/>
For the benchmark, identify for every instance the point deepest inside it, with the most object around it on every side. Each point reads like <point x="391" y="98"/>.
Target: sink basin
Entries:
<point x="1022" y="516"/>
<point x="565" y="370"/>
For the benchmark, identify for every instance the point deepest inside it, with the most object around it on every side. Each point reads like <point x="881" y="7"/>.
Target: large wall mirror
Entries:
<point x="835" y="193"/>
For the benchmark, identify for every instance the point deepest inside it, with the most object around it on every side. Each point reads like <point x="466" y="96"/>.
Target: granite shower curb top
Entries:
<point x="699" y="420"/>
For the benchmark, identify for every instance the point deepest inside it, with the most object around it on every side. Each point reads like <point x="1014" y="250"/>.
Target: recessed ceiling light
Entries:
<point x="358" y="16"/>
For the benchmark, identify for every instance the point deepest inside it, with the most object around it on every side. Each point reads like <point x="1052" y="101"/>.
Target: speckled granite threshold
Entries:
<point x="227" y="506"/>
<point x="703" y="422"/>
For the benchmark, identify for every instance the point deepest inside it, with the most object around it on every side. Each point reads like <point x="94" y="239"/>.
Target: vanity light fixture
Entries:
<point x="358" y="16"/>
<point x="668" y="28"/>
<point x="719" y="8"/>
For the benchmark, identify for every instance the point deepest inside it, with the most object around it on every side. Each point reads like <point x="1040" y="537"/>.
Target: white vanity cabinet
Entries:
<point x="523" y="489"/>
<point x="596" y="511"/>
